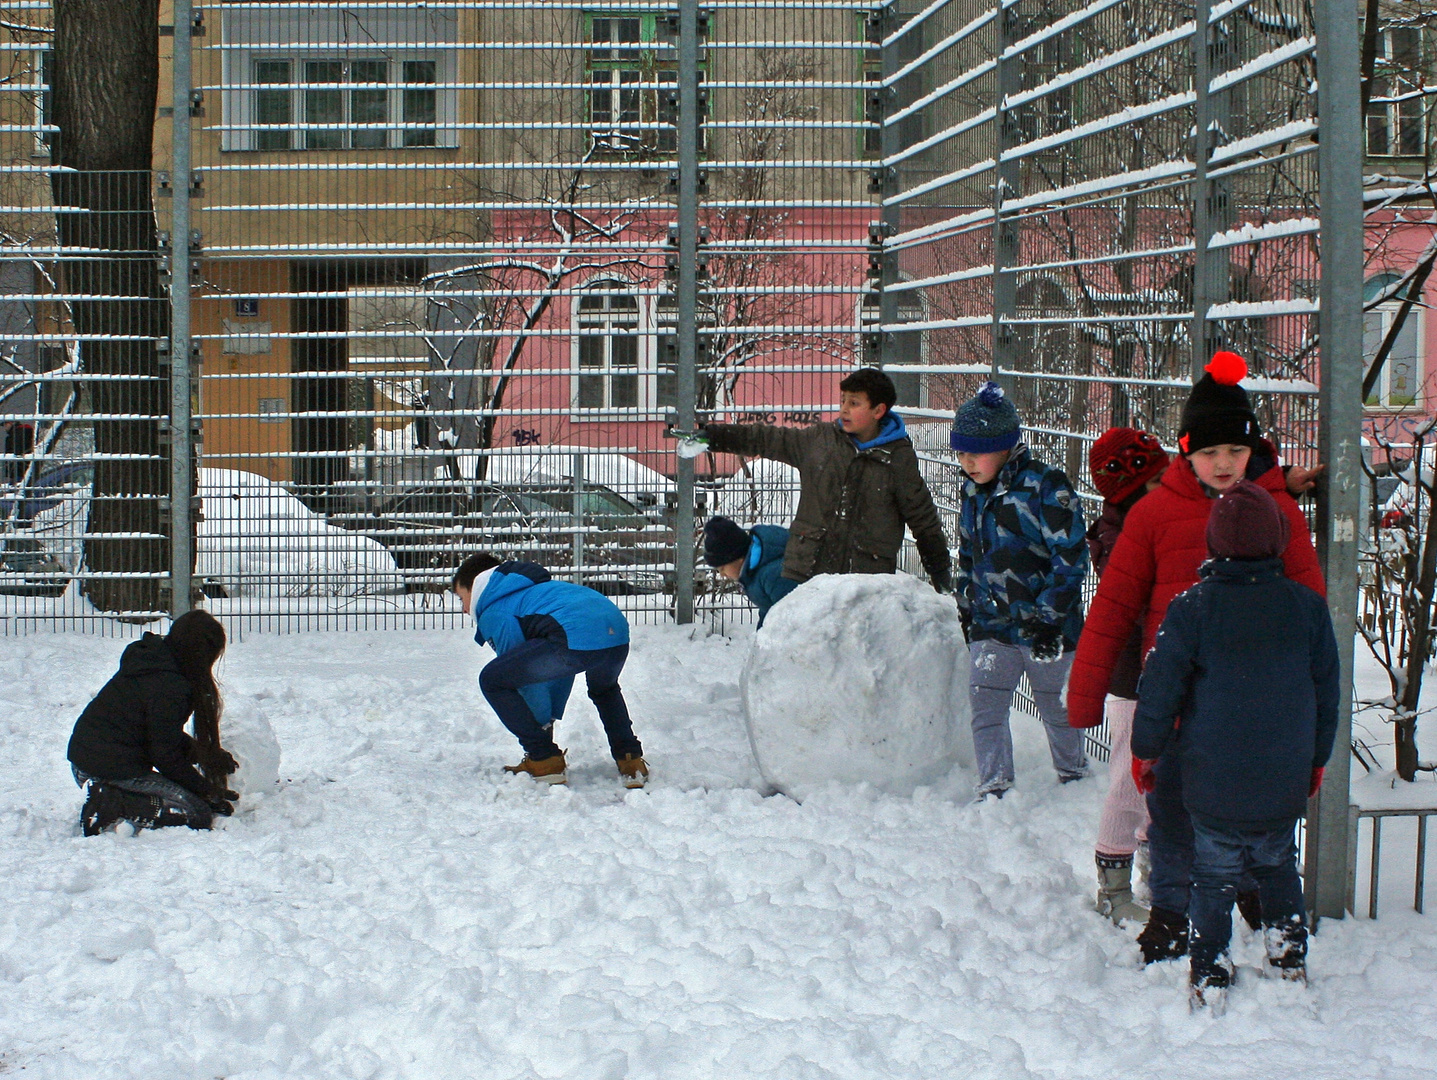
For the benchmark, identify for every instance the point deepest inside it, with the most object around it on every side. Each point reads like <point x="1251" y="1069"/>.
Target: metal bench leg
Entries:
<point x="1417" y="891"/>
<point x="1376" y="860"/>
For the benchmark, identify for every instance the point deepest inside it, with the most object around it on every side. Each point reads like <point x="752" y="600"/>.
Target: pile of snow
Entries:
<point x="247" y="734"/>
<point x="399" y="910"/>
<point x="854" y="678"/>
<point x="256" y="539"/>
<point x="761" y="491"/>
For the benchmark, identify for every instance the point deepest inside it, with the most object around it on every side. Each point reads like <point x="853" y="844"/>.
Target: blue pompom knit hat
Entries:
<point x="986" y="424"/>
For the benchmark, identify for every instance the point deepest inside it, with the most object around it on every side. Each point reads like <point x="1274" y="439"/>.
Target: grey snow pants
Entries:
<point x="997" y="667"/>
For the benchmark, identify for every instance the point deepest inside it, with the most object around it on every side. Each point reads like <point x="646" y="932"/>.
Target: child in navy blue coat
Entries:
<point x="545" y="632"/>
<point x="1241" y="687"/>
<point x="752" y="557"/>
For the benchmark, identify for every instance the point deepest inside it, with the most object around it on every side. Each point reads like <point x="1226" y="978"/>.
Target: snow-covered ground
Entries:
<point x="398" y="909"/>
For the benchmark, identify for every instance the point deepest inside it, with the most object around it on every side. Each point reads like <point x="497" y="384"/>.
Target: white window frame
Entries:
<point x="251" y="35"/>
<point x="645" y="349"/>
<point x="43" y="96"/>
<point x="1416" y="323"/>
<point x="394" y="126"/>
<point x="1396" y="82"/>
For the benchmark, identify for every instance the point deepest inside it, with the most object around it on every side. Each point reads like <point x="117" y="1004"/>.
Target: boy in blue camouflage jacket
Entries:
<point x="1022" y="558"/>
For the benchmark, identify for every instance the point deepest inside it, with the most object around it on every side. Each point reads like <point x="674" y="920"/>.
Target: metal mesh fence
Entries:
<point x="432" y="263"/>
<point x="427" y="267"/>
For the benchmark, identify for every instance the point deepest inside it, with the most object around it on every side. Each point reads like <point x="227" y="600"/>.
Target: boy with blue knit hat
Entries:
<point x="1022" y="557"/>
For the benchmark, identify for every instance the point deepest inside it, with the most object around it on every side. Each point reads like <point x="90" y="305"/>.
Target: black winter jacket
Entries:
<point x="854" y="501"/>
<point x="136" y="723"/>
<point x="1246" y="660"/>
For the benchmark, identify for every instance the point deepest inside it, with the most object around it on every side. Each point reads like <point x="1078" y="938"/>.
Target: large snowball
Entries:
<point x="858" y="677"/>
<point x="246" y="733"/>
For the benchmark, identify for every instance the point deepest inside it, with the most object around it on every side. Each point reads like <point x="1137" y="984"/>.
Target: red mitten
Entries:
<point x="1315" y="784"/>
<point x="1143" y="775"/>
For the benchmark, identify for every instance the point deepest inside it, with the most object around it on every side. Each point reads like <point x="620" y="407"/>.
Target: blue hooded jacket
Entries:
<point x="521" y="601"/>
<point x="762" y="576"/>
<point x="890" y="431"/>
<point x="1246" y="660"/>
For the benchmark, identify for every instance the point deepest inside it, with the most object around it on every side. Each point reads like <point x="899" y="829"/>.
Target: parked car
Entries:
<point x="253" y="539"/>
<point x="27" y="569"/>
<point x="430" y="527"/>
<point x="525" y="468"/>
<point x="256" y="539"/>
<point x="51" y="488"/>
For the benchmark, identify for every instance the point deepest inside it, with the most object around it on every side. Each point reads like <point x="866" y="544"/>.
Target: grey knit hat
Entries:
<point x="987" y="423"/>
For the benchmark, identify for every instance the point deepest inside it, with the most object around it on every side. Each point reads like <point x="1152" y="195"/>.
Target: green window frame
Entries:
<point x="623" y="52"/>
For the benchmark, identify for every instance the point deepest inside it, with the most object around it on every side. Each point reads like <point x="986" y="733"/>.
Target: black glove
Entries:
<point x="223" y="807"/>
<point x="1045" y="643"/>
<point x="942" y="582"/>
<point x="966" y="618"/>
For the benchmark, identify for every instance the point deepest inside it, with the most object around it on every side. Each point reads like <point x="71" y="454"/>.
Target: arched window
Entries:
<point x="606" y="348"/>
<point x="1399" y="386"/>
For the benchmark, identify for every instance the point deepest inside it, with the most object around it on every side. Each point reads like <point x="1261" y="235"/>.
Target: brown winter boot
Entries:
<point x="633" y="770"/>
<point x="549" y="770"/>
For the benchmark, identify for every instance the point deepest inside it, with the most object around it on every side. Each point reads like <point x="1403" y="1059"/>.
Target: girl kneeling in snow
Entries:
<point x="130" y="746"/>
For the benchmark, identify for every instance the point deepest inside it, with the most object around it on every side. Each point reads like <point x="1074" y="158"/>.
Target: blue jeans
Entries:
<point x="997" y="667"/>
<point x="1221" y="856"/>
<point x="1170" y="841"/>
<point x="174" y="796"/>
<point x="541" y="660"/>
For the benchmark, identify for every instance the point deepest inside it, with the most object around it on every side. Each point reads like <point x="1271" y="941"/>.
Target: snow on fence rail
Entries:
<point x="402" y="268"/>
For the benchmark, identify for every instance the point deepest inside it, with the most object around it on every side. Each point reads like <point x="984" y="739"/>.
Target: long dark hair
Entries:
<point x="197" y="640"/>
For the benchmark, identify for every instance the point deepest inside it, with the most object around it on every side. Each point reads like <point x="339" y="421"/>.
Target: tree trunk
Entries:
<point x="1405" y="741"/>
<point x="106" y="71"/>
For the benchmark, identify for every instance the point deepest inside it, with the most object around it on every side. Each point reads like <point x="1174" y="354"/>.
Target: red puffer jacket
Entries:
<point x="1163" y="542"/>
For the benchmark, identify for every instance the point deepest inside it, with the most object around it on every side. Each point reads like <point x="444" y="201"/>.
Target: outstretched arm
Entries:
<point x="758" y="440"/>
<point x="915" y="503"/>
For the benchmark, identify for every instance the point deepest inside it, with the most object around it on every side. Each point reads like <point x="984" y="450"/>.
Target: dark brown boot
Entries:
<point x="1165" y="937"/>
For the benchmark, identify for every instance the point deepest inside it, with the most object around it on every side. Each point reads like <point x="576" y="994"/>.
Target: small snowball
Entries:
<point x="247" y="734"/>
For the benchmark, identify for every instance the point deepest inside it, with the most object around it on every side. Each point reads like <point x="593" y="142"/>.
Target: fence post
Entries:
<point x="688" y="144"/>
<point x="1211" y="213"/>
<point x="1006" y="181"/>
<point x="885" y="20"/>
<point x="182" y="468"/>
<point x="1339" y="163"/>
<point x="579" y="526"/>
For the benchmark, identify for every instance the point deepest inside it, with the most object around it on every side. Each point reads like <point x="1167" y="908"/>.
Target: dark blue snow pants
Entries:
<point x="541" y="660"/>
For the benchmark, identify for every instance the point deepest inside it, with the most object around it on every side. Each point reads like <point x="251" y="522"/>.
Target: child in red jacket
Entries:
<point x="1163" y="542"/>
<point x="1126" y="465"/>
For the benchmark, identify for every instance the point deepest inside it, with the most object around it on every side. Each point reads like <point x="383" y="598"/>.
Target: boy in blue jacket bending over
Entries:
<point x="545" y="632"/>
<point x="1240" y="691"/>
<point x="752" y="557"/>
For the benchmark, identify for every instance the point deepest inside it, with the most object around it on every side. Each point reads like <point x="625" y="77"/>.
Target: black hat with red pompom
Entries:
<point x="1217" y="411"/>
